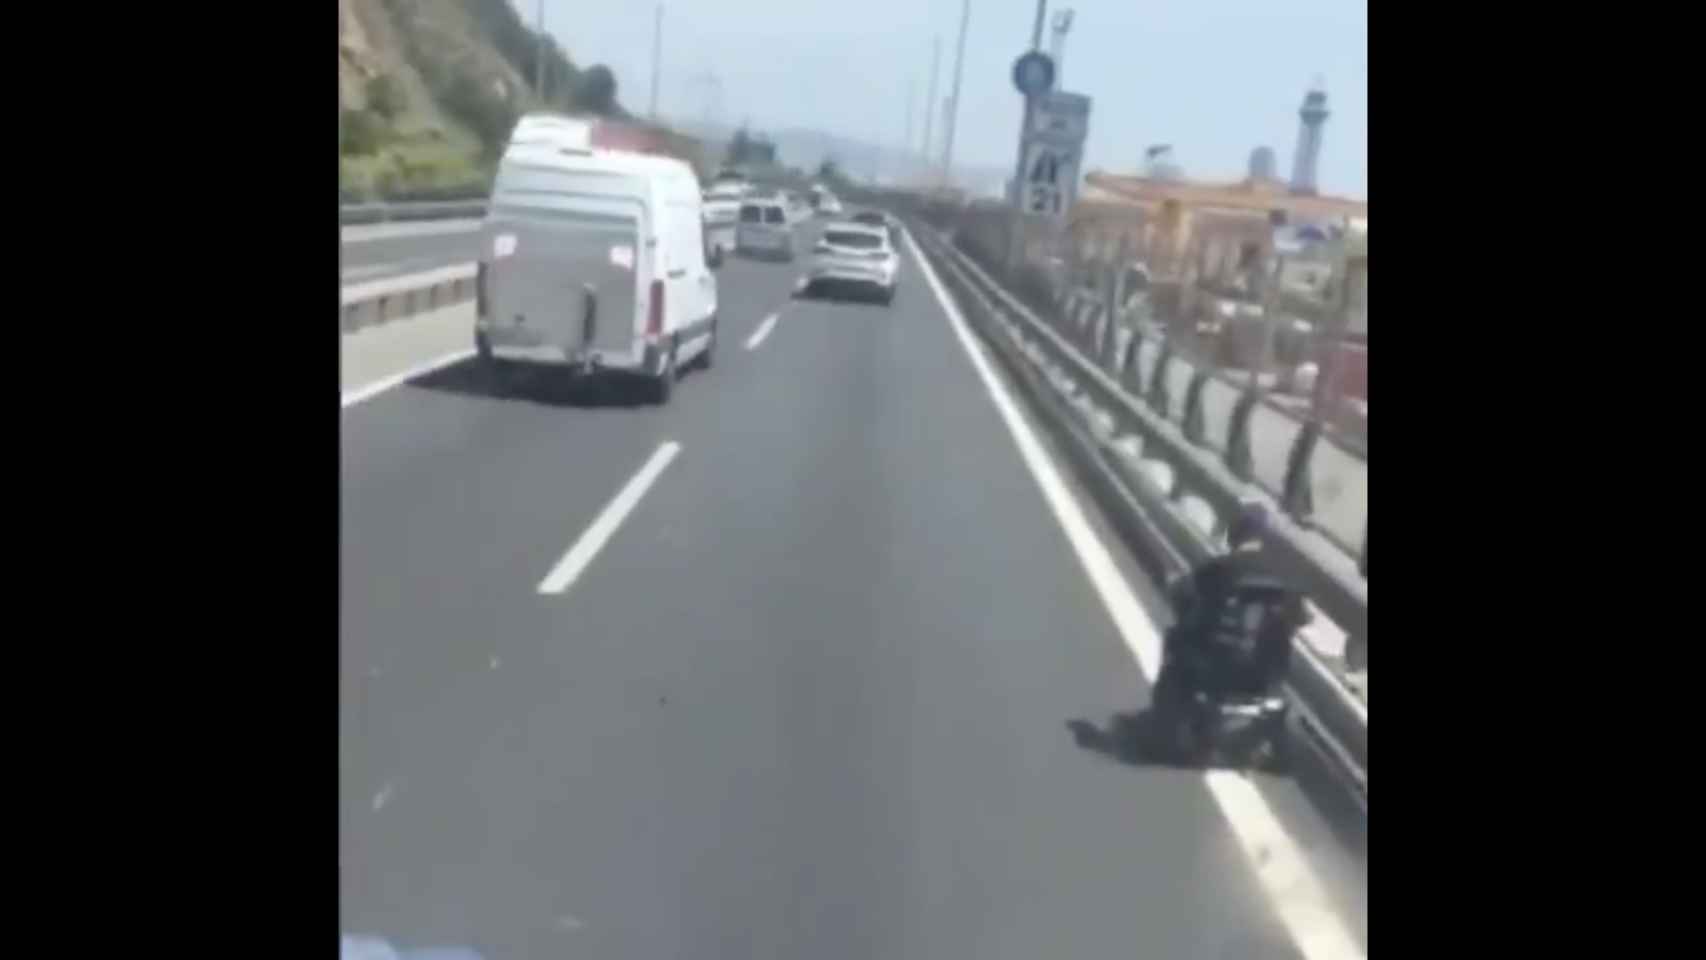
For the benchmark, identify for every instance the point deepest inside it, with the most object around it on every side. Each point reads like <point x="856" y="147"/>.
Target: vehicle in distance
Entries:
<point x="853" y="259"/>
<point x="828" y="205"/>
<point x="722" y="207"/>
<point x="594" y="261"/>
<point x="877" y="218"/>
<point x="764" y="230"/>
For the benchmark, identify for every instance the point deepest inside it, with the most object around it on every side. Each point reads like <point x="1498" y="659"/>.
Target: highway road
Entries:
<point x="784" y="669"/>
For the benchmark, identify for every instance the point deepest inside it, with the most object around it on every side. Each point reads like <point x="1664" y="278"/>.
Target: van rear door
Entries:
<point x="565" y="268"/>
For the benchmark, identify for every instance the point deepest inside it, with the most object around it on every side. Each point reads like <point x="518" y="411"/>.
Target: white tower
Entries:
<point x="1314" y="116"/>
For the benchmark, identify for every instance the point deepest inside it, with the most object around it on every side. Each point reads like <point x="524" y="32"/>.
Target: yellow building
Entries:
<point x="1173" y="222"/>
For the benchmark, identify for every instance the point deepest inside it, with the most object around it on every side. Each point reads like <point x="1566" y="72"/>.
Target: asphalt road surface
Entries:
<point x="809" y="698"/>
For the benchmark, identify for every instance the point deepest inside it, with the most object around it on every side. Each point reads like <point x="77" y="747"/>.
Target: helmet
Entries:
<point x="1250" y="523"/>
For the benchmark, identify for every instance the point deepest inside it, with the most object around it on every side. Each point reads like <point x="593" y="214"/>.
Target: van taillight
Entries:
<point x="654" y="319"/>
<point x="480" y="289"/>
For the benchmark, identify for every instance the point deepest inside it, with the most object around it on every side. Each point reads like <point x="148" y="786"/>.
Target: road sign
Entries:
<point x="1033" y="73"/>
<point x="1061" y="118"/>
<point x="1052" y="152"/>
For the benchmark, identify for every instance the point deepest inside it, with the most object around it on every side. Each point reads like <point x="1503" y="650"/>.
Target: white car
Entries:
<point x="853" y="258"/>
<point x="594" y="260"/>
<point x="764" y="230"/>
<point x="828" y="206"/>
<point x="722" y="208"/>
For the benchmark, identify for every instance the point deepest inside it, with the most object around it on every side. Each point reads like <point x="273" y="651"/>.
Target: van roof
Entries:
<point x="565" y="143"/>
<point x="571" y="159"/>
<point x="550" y="129"/>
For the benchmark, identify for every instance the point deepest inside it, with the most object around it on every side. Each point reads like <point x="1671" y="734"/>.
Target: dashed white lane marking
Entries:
<point x="763" y="331"/>
<point x="383" y="797"/>
<point x="1281" y="869"/>
<point x="617" y="510"/>
<point x="355" y="396"/>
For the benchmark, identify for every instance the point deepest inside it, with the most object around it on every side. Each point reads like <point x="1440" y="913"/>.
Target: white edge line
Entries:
<point x="763" y="331"/>
<point x="1280" y="867"/>
<point x="605" y="524"/>
<point x="355" y="396"/>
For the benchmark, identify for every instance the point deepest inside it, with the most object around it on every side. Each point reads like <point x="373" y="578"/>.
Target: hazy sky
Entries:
<point x="1214" y="78"/>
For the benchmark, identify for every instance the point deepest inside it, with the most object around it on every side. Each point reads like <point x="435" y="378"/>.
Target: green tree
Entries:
<point x="738" y="147"/>
<point x="364" y="133"/>
<point x="385" y="97"/>
<point x="595" y="90"/>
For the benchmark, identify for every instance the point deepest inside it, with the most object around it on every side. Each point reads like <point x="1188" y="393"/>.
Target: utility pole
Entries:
<point x="930" y="106"/>
<point x="906" y="145"/>
<point x="657" y="54"/>
<point x="539" y="58"/>
<point x="954" y="101"/>
<point x="1062" y="24"/>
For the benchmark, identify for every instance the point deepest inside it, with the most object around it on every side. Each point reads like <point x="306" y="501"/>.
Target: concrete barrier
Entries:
<point x="390" y="299"/>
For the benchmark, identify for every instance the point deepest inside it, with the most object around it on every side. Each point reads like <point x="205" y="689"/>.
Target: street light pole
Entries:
<point x="539" y="57"/>
<point x="930" y="106"/>
<point x="954" y="109"/>
<point x="657" y="55"/>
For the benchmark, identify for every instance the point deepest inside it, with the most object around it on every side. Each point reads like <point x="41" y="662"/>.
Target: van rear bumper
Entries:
<point x="642" y="357"/>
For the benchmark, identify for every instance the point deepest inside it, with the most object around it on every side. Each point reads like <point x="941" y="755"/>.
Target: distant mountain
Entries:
<point x="861" y="160"/>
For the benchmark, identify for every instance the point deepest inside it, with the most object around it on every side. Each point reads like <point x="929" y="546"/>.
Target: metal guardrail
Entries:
<point x="362" y="213"/>
<point x="390" y="299"/>
<point x="1145" y="473"/>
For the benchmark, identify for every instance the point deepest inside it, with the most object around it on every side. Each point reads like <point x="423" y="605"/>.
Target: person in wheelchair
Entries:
<point x="1235" y="622"/>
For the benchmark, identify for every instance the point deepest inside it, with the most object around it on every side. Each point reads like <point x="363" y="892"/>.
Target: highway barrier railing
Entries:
<point x="390" y="299"/>
<point x="1167" y="497"/>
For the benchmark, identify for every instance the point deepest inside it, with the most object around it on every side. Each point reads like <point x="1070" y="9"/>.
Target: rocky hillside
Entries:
<point x="429" y="89"/>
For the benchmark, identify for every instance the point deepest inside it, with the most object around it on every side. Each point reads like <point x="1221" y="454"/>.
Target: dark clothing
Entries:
<point x="1236" y="621"/>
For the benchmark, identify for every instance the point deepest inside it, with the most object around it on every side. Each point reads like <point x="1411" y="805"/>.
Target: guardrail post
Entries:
<point x="1298" y="498"/>
<point x="1130" y="376"/>
<point x="1362" y="558"/>
<point x="1239" y="458"/>
<point x="1193" y="425"/>
<point x="1157" y="396"/>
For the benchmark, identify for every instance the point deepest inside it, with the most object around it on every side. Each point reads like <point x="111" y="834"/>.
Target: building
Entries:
<point x="1262" y="163"/>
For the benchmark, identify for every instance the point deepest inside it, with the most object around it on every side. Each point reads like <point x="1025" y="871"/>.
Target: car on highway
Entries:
<point x="828" y="205"/>
<point x="764" y="230"/>
<point x="853" y="259"/>
<point x="799" y="207"/>
<point x="595" y="261"/>
<point x="722" y="208"/>
<point x="877" y="218"/>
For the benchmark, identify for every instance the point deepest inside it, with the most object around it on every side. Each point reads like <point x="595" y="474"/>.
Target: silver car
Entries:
<point x="853" y="258"/>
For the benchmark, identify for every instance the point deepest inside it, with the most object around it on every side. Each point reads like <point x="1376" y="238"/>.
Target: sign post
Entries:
<point x="1051" y="148"/>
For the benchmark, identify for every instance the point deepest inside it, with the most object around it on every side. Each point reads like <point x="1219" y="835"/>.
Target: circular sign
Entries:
<point x="1033" y="73"/>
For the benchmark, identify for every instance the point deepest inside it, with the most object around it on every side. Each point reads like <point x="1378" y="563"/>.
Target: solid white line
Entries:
<point x="355" y="396"/>
<point x="1280" y="866"/>
<point x="590" y="542"/>
<point x="763" y="331"/>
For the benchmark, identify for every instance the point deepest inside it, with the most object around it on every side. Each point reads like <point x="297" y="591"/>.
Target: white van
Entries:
<point x="594" y="260"/>
<point x="764" y="229"/>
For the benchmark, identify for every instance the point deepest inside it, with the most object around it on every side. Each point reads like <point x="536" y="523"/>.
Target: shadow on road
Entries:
<point x="537" y="383"/>
<point x="1128" y="738"/>
<point x="1132" y="739"/>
